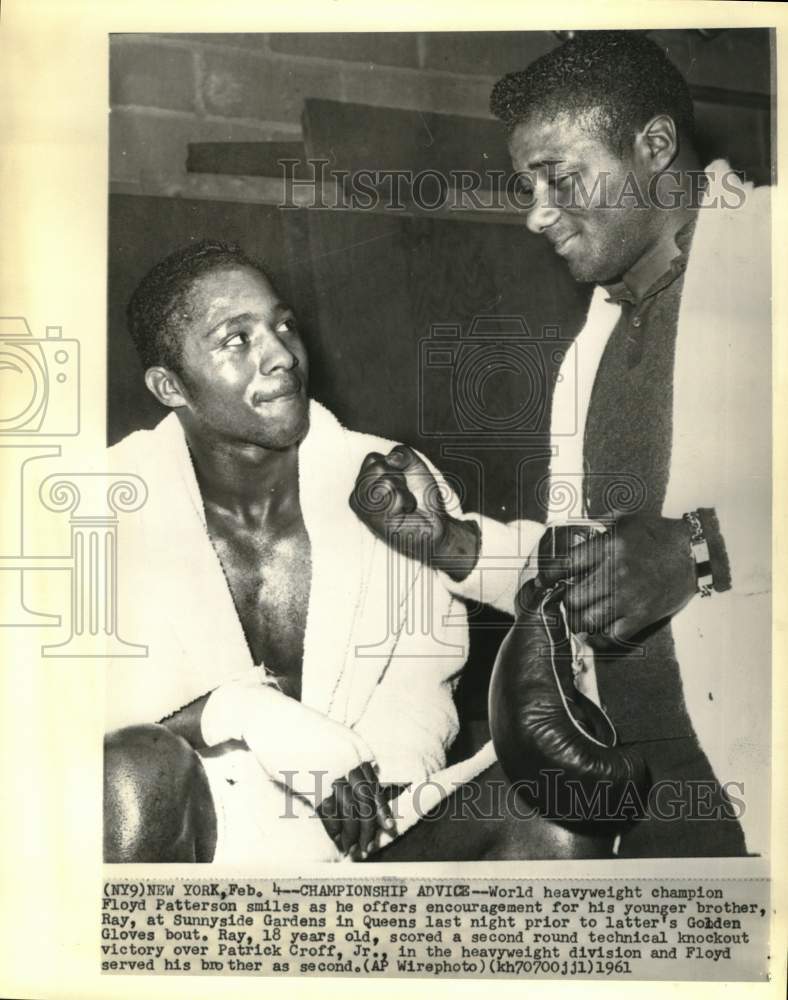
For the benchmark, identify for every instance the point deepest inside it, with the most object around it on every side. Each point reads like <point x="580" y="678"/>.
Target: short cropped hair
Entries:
<point x="612" y="81"/>
<point x="155" y="310"/>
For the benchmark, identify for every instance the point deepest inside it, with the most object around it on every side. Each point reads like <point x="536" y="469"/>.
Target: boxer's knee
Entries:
<point x="157" y="803"/>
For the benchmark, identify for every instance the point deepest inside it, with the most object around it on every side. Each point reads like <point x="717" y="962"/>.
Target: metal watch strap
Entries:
<point x="700" y="553"/>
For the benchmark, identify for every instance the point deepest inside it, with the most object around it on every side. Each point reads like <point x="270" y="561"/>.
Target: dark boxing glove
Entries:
<point x="554" y="742"/>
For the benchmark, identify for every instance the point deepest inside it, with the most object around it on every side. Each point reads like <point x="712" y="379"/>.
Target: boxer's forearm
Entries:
<point x="457" y="552"/>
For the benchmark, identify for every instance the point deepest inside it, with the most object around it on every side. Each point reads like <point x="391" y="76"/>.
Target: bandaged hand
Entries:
<point x="294" y="744"/>
<point x="317" y="758"/>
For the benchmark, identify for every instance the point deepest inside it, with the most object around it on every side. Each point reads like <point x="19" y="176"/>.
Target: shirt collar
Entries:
<point x="656" y="269"/>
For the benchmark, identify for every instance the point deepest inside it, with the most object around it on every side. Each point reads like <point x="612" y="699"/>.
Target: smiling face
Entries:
<point x="242" y="376"/>
<point x="578" y="188"/>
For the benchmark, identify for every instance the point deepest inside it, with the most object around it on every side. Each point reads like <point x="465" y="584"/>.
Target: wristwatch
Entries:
<point x="700" y="553"/>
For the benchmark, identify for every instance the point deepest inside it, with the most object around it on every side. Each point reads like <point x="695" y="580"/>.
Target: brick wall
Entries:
<point x="169" y="90"/>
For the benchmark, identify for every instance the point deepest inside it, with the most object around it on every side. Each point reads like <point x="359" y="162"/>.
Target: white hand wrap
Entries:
<point x="294" y="744"/>
<point x="223" y="713"/>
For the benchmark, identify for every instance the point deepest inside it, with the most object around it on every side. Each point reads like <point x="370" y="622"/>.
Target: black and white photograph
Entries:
<point x="392" y="499"/>
<point x="445" y="360"/>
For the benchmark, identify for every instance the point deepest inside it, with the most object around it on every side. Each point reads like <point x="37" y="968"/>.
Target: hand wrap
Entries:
<point x="293" y="743"/>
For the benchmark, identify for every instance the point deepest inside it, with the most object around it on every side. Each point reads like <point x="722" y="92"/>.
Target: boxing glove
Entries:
<point x="557" y="745"/>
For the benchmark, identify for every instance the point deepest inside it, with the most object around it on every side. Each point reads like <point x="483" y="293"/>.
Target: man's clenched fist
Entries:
<point x="396" y="494"/>
<point x="399" y="500"/>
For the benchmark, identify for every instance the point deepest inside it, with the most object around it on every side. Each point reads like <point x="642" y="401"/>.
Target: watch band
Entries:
<point x="700" y="553"/>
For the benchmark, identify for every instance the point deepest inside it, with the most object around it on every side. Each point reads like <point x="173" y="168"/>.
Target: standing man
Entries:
<point x="673" y="443"/>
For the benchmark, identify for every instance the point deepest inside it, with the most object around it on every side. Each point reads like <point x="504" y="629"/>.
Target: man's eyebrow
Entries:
<point x="277" y="310"/>
<point x="535" y="164"/>
<point x="240" y="318"/>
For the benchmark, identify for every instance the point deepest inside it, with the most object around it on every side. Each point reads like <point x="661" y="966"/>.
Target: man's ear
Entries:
<point x="165" y="386"/>
<point x="657" y="144"/>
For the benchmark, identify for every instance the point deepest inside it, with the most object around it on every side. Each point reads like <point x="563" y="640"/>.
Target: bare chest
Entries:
<point x="269" y="573"/>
